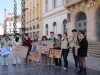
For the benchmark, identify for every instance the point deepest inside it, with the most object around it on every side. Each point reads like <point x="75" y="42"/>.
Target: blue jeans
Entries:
<point x="34" y="49"/>
<point x="76" y="58"/>
<point x="5" y="59"/>
<point x="65" y="55"/>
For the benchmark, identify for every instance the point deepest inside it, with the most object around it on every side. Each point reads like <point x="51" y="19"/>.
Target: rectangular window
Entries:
<point x="46" y="6"/>
<point x="9" y="24"/>
<point x="54" y="3"/>
<point x="33" y="34"/>
<point x="38" y="33"/>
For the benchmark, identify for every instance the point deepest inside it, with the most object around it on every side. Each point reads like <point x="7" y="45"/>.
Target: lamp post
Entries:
<point x="23" y="17"/>
<point x="5" y="10"/>
<point x="15" y="17"/>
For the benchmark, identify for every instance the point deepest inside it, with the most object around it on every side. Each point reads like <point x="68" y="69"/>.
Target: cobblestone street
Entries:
<point x="41" y="70"/>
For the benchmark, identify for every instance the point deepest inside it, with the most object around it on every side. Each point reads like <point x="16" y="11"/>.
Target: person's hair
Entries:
<point x="60" y="36"/>
<point x="4" y="35"/>
<point x="44" y="37"/>
<point x="82" y="32"/>
<point x="26" y="34"/>
<point x="35" y="40"/>
<point x="66" y="34"/>
<point x="8" y="37"/>
<point x="51" y="32"/>
<point x="74" y="30"/>
<point x="16" y="34"/>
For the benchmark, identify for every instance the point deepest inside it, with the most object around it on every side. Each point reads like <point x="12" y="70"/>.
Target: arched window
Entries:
<point x="46" y="29"/>
<point x="33" y="27"/>
<point x="38" y="26"/>
<point x="64" y="26"/>
<point x="54" y="27"/>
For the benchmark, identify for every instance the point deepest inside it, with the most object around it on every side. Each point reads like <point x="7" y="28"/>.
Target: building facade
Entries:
<point x="54" y="17"/>
<point x="85" y="15"/>
<point x="34" y="18"/>
<point x="1" y="29"/>
<point x="9" y="24"/>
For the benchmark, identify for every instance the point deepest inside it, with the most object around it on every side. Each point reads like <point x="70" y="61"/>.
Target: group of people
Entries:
<point x="80" y="44"/>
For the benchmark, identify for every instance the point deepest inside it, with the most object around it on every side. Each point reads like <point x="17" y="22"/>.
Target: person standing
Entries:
<point x="7" y="44"/>
<point x="57" y="46"/>
<point x="44" y="56"/>
<point x="17" y="41"/>
<point x="82" y="52"/>
<point x="3" y="40"/>
<point x="27" y="43"/>
<point x="52" y="39"/>
<point x="65" y="52"/>
<point x="75" y="40"/>
<point x="34" y="46"/>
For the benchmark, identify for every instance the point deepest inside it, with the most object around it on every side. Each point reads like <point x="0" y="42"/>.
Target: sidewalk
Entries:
<point x="91" y="62"/>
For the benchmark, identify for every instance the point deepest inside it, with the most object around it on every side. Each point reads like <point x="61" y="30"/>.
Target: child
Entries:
<point x="44" y="56"/>
<point x="7" y="44"/>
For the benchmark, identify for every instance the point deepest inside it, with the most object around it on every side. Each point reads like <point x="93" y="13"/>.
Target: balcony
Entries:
<point x="67" y="3"/>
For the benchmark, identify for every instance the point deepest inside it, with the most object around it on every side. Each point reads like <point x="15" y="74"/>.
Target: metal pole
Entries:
<point x="23" y="17"/>
<point x="5" y="21"/>
<point x="15" y="16"/>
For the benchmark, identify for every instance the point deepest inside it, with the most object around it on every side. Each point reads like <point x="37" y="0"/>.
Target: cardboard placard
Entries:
<point x="35" y="56"/>
<point x="45" y="50"/>
<point x="54" y="53"/>
<point x="64" y="45"/>
<point x="50" y="44"/>
<point x="20" y="51"/>
<point x="76" y="50"/>
<point x="38" y="47"/>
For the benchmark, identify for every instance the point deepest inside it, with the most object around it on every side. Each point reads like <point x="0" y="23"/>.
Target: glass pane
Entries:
<point x="79" y="24"/>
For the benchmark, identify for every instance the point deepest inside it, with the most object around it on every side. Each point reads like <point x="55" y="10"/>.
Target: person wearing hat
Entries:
<point x="82" y="52"/>
<point x="17" y="41"/>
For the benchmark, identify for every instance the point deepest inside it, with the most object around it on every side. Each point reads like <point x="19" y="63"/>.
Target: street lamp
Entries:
<point x="23" y="16"/>
<point x="15" y="17"/>
<point x="5" y="19"/>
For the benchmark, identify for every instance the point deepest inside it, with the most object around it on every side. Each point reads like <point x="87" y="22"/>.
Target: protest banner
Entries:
<point x="20" y="51"/>
<point x="34" y="56"/>
<point x="6" y="51"/>
<point x="64" y="45"/>
<point x="45" y="50"/>
<point x="50" y="44"/>
<point x="38" y="47"/>
<point x="54" y="53"/>
<point x="76" y="50"/>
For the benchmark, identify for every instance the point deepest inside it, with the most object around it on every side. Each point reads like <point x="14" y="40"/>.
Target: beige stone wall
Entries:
<point x="92" y="22"/>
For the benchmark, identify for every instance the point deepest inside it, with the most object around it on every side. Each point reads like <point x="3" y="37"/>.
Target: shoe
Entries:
<point x="64" y="68"/>
<point x="84" y="71"/>
<point x="53" y="64"/>
<point x="80" y="71"/>
<point x="75" y="68"/>
<point x="14" y="64"/>
<point x="2" y="64"/>
<point x="34" y="65"/>
<point x="6" y="64"/>
<point x="18" y="64"/>
<point x="56" y="66"/>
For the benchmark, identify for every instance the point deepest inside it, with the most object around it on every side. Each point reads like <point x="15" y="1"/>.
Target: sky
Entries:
<point x="8" y="4"/>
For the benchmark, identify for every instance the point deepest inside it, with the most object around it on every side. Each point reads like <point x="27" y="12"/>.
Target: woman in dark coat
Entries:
<point x="27" y="43"/>
<point x="82" y="52"/>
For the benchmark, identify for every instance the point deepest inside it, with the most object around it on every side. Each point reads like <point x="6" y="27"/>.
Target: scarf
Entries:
<point x="16" y="39"/>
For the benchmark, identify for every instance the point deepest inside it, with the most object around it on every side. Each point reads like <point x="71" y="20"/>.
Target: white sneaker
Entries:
<point x="2" y="64"/>
<point x="64" y="68"/>
<point x="6" y="64"/>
